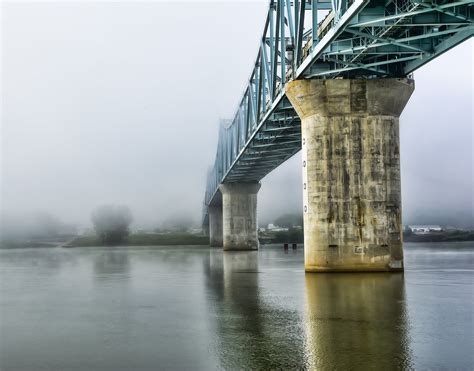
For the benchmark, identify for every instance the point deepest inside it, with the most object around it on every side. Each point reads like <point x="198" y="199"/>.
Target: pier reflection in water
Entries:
<point x="356" y="320"/>
<point x="251" y="331"/>
<point x="344" y="319"/>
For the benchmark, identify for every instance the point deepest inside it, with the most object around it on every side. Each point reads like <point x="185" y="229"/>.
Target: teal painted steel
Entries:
<point x="325" y="39"/>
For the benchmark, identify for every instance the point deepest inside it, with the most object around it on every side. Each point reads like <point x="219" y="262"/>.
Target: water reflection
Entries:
<point x="356" y="319"/>
<point x="251" y="333"/>
<point x="112" y="264"/>
<point x="193" y="308"/>
<point x="48" y="260"/>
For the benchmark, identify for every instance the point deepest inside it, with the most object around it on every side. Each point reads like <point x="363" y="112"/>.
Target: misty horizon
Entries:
<point x="115" y="103"/>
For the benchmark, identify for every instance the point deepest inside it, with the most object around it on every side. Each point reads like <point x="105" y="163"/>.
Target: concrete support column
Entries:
<point x="239" y="206"/>
<point x="215" y="225"/>
<point x="351" y="172"/>
<point x="205" y="229"/>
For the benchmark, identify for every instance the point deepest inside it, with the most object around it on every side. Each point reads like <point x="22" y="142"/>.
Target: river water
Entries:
<point x="149" y="308"/>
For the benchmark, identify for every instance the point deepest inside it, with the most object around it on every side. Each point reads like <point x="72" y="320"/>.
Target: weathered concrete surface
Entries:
<point x="239" y="206"/>
<point x="205" y="229"/>
<point x="351" y="172"/>
<point x="215" y="225"/>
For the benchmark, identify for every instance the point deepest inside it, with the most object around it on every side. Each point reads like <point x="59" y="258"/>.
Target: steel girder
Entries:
<point x="325" y="39"/>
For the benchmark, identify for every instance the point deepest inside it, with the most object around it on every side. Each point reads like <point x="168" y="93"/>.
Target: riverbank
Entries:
<point x="57" y="241"/>
<point x="296" y="235"/>
<point x="293" y="235"/>
<point x="182" y="238"/>
<point x="444" y="236"/>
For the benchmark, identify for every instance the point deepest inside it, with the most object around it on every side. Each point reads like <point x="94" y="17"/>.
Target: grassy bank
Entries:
<point x="142" y="239"/>
<point x="295" y="235"/>
<point x="24" y="244"/>
<point x="21" y="243"/>
<point x="445" y="236"/>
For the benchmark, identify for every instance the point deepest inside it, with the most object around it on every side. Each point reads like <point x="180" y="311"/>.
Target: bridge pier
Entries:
<point x="205" y="229"/>
<point x="351" y="172"/>
<point x="239" y="209"/>
<point x="215" y="225"/>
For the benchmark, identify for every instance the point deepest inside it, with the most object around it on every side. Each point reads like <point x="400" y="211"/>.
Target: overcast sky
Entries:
<point x="119" y="102"/>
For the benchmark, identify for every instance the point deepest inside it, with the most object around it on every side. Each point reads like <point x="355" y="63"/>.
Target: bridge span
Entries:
<point x="331" y="78"/>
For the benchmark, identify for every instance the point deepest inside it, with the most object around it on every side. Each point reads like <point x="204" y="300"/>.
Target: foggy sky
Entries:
<point x="119" y="102"/>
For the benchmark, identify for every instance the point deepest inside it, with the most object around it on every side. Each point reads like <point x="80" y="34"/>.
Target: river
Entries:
<point x="150" y="308"/>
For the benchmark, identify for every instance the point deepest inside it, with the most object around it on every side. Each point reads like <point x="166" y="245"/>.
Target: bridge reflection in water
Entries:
<point x="251" y="331"/>
<point x="338" y="322"/>
<point x="358" y="320"/>
<point x="195" y="308"/>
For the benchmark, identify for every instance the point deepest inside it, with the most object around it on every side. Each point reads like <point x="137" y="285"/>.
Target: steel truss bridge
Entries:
<point x="325" y="39"/>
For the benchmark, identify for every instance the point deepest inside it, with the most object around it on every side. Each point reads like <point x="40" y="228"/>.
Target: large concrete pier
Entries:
<point x="239" y="210"/>
<point x="215" y="226"/>
<point x="351" y="172"/>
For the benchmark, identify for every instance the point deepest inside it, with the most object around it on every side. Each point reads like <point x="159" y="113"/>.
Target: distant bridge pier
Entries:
<point x="205" y="229"/>
<point x="239" y="211"/>
<point x="351" y="172"/>
<point x="215" y="225"/>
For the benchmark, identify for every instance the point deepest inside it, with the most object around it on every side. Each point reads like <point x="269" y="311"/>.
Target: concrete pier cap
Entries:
<point x="351" y="172"/>
<point x="386" y="97"/>
<point x="239" y="211"/>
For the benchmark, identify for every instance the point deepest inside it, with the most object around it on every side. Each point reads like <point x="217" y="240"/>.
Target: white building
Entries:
<point x="424" y="229"/>
<point x="275" y="228"/>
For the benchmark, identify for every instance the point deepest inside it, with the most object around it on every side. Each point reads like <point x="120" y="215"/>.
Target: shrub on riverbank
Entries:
<point x="111" y="223"/>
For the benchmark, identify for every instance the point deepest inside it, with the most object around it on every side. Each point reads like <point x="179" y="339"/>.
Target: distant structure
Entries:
<point x="424" y="229"/>
<point x="275" y="228"/>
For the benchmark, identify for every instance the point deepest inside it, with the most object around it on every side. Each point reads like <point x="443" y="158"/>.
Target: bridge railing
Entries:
<point x="290" y="32"/>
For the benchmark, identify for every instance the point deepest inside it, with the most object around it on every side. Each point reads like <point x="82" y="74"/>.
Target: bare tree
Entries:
<point x="111" y="223"/>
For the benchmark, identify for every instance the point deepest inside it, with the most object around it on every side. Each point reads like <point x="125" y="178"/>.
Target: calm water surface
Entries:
<point x="149" y="308"/>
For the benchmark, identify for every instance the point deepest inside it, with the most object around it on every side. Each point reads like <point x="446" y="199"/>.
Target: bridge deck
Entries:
<point x="326" y="39"/>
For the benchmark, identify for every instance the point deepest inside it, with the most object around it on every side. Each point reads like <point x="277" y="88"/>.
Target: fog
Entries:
<point x="119" y="102"/>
